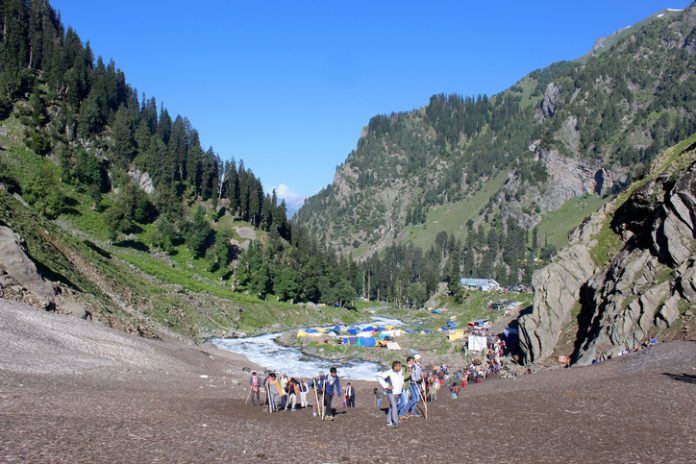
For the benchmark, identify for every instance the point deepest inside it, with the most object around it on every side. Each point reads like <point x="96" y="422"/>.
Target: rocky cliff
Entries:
<point x="648" y="286"/>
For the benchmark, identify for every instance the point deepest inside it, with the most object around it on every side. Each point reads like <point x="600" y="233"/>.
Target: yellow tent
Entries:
<point x="457" y="335"/>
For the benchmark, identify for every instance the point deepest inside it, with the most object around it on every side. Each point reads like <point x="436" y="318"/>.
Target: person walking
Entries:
<point x="292" y="390"/>
<point x="405" y="394"/>
<point x="304" y="389"/>
<point x="332" y="385"/>
<point x="350" y="396"/>
<point x="379" y="394"/>
<point x="275" y="391"/>
<point x="254" y="386"/>
<point x="393" y="383"/>
<point x="413" y="384"/>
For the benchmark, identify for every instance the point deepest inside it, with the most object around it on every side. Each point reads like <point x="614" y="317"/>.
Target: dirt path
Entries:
<point x="73" y="391"/>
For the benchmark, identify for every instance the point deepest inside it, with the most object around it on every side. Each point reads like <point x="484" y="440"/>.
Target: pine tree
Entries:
<point x="122" y="128"/>
<point x="198" y="233"/>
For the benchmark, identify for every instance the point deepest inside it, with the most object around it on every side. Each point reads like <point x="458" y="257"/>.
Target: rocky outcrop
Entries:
<point x="557" y="290"/>
<point x="640" y="293"/>
<point x="570" y="177"/>
<point x="552" y="95"/>
<point x="19" y="277"/>
<point x="142" y="180"/>
<point x="643" y="288"/>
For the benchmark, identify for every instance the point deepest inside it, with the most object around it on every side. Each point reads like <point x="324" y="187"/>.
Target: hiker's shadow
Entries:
<point x="688" y="378"/>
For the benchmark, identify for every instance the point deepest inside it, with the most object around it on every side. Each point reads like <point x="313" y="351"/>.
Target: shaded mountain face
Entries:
<point x="577" y="127"/>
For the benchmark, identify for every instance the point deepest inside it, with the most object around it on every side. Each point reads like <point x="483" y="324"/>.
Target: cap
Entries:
<point x="417" y="356"/>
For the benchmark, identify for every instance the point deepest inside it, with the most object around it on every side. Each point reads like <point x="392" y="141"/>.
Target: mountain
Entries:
<point x="628" y="273"/>
<point x="111" y="209"/>
<point x="538" y="157"/>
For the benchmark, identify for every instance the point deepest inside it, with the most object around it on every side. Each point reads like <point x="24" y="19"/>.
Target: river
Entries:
<point x="264" y="351"/>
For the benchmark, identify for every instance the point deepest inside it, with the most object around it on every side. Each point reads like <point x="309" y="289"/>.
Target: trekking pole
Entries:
<point x="248" y="396"/>
<point x="268" y="398"/>
<point x="424" y="398"/>
<point x="316" y="400"/>
<point x="323" y="404"/>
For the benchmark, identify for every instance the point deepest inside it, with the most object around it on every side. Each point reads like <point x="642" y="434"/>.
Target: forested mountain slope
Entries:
<point x="490" y="170"/>
<point x="115" y="211"/>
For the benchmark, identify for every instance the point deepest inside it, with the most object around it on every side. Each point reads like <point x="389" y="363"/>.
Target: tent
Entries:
<point x="308" y="333"/>
<point x="476" y="343"/>
<point x="393" y="333"/>
<point x="393" y="346"/>
<point x="478" y="323"/>
<point x="457" y="335"/>
<point x="368" y="341"/>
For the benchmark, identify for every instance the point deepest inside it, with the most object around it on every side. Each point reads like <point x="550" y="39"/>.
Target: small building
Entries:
<point x="486" y="285"/>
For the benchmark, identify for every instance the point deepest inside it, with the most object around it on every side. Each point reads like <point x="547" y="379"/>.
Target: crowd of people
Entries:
<point x="284" y="393"/>
<point x="403" y="386"/>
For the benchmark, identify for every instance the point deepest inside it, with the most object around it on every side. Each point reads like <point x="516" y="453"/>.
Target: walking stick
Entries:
<point x="316" y="399"/>
<point x="269" y="398"/>
<point x="424" y="398"/>
<point x="323" y="404"/>
<point x="248" y="396"/>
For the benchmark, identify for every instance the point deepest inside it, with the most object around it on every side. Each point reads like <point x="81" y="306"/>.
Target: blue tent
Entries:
<point x="368" y="341"/>
<point x="353" y="330"/>
<point x="312" y="331"/>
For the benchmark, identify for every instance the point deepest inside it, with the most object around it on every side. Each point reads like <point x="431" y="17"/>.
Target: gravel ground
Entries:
<point x="72" y="391"/>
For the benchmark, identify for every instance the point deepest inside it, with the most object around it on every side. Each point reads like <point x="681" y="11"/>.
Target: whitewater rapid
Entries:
<point x="264" y="351"/>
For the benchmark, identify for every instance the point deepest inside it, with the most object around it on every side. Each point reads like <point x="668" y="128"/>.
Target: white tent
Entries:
<point x="476" y="343"/>
<point x="393" y="346"/>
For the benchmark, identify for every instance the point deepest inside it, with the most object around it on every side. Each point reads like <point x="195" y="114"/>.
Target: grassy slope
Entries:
<point x="452" y="217"/>
<point x="556" y="225"/>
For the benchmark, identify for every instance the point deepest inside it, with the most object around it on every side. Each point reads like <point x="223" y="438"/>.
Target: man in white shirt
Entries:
<point x="393" y="383"/>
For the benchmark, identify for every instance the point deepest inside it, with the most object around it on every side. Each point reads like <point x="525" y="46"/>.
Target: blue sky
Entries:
<point x="288" y="86"/>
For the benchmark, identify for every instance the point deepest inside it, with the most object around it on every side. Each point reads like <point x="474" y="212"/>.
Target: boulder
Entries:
<point x="20" y="269"/>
